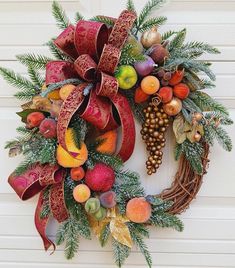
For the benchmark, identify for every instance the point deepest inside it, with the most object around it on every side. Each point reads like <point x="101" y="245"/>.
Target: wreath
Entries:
<point x="104" y="71"/>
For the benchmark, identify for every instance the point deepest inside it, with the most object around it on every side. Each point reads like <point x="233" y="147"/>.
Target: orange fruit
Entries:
<point x="65" y="91"/>
<point x="74" y="157"/>
<point x="109" y="142"/>
<point x="150" y="84"/>
<point x="81" y="193"/>
<point x="77" y="173"/>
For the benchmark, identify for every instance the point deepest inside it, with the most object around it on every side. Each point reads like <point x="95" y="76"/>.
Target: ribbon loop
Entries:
<point x="97" y="110"/>
<point x="90" y="37"/>
<point x="108" y="86"/>
<point x="57" y="71"/>
<point x="85" y="66"/>
<point x="65" y="42"/>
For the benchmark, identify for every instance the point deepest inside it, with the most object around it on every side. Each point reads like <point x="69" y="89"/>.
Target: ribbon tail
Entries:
<point x="41" y="224"/>
<point x="128" y="126"/>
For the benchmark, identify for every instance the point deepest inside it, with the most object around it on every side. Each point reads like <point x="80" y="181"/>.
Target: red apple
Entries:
<point x="48" y="128"/>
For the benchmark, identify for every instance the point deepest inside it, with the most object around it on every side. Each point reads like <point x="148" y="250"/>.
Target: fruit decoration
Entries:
<point x="151" y="37"/>
<point x="106" y="71"/>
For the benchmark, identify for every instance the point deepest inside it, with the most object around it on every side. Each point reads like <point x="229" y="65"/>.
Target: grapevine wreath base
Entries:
<point x="104" y="71"/>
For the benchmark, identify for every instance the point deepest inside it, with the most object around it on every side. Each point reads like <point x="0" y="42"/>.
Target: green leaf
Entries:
<point x="62" y="20"/>
<point x="153" y="22"/>
<point x="33" y="61"/>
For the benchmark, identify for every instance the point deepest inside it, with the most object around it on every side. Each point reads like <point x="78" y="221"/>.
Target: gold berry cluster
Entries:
<point x="153" y="133"/>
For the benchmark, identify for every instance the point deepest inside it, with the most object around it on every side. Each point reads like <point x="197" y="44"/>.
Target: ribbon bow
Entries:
<point x="97" y="55"/>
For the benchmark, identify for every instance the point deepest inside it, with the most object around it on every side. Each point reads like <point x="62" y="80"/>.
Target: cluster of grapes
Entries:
<point x="153" y="133"/>
<point x="164" y="77"/>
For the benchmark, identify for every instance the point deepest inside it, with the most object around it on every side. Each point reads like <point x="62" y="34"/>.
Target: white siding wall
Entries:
<point x="209" y="236"/>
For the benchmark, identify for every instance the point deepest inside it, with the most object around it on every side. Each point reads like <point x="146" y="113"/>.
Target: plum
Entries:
<point x="108" y="199"/>
<point x="48" y="128"/>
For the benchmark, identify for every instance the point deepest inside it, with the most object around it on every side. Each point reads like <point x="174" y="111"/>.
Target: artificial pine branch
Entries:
<point x="35" y="77"/>
<point x="61" y="18"/>
<point x="79" y="130"/>
<point x="71" y="239"/>
<point x="139" y="242"/>
<point x="46" y="210"/>
<point x="178" y="40"/>
<point x="56" y="52"/>
<point x="166" y="220"/>
<point x="153" y="22"/>
<point x="206" y="103"/>
<point x="147" y="9"/>
<point x="196" y="83"/>
<point x="103" y="19"/>
<point x="120" y="252"/>
<point x="104" y="236"/>
<point x="61" y="233"/>
<point x="167" y="35"/>
<point x="189" y="105"/>
<point x="130" y="5"/>
<point x="17" y="80"/>
<point x="127" y="56"/>
<point x="33" y="61"/>
<point x="78" y="17"/>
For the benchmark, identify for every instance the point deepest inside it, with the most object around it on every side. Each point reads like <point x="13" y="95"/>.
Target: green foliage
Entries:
<point x="153" y="22"/>
<point x="127" y="185"/>
<point x="127" y="56"/>
<point x="96" y="157"/>
<point x="77" y="211"/>
<point x="196" y="83"/>
<point x="37" y="149"/>
<point x="33" y="61"/>
<point x="28" y="89"/>
<point x="147" y="9"/>
<point x="168" y="34"/>
<point x="103" y="19"/>
<point x="78" y="17"/>
<point x="35" y="77"/>
<point x="189" y="105"/>
<point x="206" y="103"/>
<point x="137" y="235"/>
<point x="46" y="210"/>
<point x="164" y="219"/>
<point x="130" y="5"/>
<point x="104" y="236"/>
<point x="61" y="18"/>
<point x="56" y="52"/>
<point x="178" y="40"/>
<point x="213" y="131"/>
<point x="193" y="153"/>
<point x="120" y="252"/>
<point x="79" y="130"/>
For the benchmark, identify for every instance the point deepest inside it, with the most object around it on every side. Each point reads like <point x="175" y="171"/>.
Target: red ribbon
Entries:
<point x="97" y="55"/>
<point x="34" y="181"/>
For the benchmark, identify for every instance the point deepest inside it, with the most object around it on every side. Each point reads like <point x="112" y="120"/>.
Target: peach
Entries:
<point x="181" y="91"/>
<point x="81" y="193"/>
<point x="150" y="84"/>
<point x="65" y="91"/>
<point x="166" y="94"/>
<point x="34" y="119"/>
<point x="73" y="157"/>
<point x="77" y="173"/>
<point x="48" y="128"/>
<point x="138" y="210"/>
<point x="54" y="95"/>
